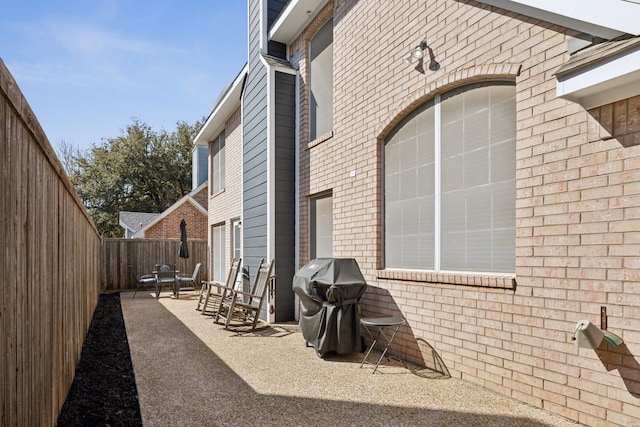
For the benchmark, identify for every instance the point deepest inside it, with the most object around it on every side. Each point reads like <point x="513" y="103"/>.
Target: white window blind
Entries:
<point x="322" y="227"/>
<point x="321" y="76"/>
<point x="219" y="256"/>
<point x="218" y="164"/>
<point x="450" y="184"/>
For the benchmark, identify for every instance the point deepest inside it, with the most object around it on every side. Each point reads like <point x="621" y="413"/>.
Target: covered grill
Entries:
<point x="329" y="290"/>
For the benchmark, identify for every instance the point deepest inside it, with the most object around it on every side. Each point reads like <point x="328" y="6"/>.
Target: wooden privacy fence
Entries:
<point x="143" y="255"/>
<point x="48" y="268"/>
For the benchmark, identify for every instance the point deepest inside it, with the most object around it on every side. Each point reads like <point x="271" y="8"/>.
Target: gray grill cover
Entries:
<point x="329" y="290"/>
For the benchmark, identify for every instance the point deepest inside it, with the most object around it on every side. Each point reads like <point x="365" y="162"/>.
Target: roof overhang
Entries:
<point x="602" y="18"/>
<point x="228" y="102"/>
<point x="602" y="74"/>
<point x="294" y="18"/>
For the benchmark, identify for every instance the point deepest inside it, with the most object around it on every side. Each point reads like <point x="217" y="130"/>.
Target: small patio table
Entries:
<point x="163" y="275"/>
<point x="375" y="328"/>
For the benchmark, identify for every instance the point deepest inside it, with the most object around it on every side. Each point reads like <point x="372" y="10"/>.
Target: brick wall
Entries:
<point x="169" y="226"/>
<point x="226" y="205"/>
<point x="202" y="196"/>
<point x="577" y="204"/>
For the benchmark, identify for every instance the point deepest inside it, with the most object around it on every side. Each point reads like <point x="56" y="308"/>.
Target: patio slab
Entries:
<point x="191" y="371"/>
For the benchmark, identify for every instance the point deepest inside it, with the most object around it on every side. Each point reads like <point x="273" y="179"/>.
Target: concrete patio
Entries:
<point x="192" y="372"/>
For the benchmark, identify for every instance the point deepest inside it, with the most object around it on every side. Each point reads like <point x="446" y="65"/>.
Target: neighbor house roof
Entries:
<point x="134" y="221"/>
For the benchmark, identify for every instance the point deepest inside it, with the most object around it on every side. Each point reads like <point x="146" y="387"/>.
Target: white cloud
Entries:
<point x="91" y="40"/>
<point x="65" y="51"/>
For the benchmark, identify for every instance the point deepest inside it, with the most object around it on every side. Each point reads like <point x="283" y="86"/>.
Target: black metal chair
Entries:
<point x="165" y="274"/>
<point x="144" y="280"/>
<point x="188" y="280"/>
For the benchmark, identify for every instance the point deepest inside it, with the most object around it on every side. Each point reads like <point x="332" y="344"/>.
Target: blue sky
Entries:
<point x="87" y="67"/>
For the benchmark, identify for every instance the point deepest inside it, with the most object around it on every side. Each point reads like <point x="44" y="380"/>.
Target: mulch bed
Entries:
<point x="104" y="391"/>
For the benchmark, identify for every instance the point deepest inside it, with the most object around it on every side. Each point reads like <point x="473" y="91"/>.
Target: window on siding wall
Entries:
<point x="217" y="164"/>
<point x="321" y="76"/>
<point x="219" y="257"/>
<point x="450" y="183"/>
<point x="237" y="239"/>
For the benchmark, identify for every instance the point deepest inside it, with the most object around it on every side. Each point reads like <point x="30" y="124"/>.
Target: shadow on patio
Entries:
<point x="190" y="371"/>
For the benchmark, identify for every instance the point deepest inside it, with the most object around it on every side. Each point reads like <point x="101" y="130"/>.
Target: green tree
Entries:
<point x="141" y="170"/>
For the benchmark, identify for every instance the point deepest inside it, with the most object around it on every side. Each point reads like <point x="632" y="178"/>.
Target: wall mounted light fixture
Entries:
<point x="416" y="53"/>
<point x="588" y="335"/>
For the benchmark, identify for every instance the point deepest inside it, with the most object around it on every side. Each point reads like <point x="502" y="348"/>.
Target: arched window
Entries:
<point x="449" y="183"/>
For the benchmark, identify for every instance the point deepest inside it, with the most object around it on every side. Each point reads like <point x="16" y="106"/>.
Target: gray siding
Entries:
<point x="254" y="30"/>
<point x="254" y="167"/>
<point x="285" y="162"/>
<point x="279" y="50"/>
<point x="274" y="9"/>
<point x="254" y="150"/>
<point x="203" y="164"/>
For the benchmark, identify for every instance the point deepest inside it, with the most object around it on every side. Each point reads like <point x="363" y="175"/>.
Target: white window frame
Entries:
<point x="313" y="235"/>
<point x="437" y="232"/>
<point x="218" y="169"/>
<point x="321" y="83"/>
<point x="218" y="251"/>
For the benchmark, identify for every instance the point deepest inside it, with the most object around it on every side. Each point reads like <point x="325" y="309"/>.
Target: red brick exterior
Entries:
<point x="202" y="196"/>
<point x="169" y="226"/>
<point x="577" y="204"/>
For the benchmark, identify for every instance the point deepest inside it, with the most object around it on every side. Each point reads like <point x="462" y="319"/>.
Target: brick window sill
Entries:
<point x="463" y="279"/>
<point x="319" y="140"/>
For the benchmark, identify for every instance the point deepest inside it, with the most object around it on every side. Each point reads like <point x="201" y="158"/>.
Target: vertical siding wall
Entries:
<point x="254" y="150"/>
<point x="143" y="254"/>
<point x="578" y="204"/>
<point x="49" y="269"/>
<point x="284" y="197"/>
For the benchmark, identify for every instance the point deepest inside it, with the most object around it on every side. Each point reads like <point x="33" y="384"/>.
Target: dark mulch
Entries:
<point x="104" y="391"/>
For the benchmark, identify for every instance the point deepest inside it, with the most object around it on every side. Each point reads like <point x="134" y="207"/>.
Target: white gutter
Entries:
<point x="603" y="18"/>
<point x="222" y="111"/>
<point x="603" y="83"/>
<point x="294" y="18"/>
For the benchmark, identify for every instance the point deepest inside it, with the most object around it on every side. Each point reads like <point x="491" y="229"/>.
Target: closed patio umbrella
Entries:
<point x="183" y="253"/>
<point x="184" y="250"/>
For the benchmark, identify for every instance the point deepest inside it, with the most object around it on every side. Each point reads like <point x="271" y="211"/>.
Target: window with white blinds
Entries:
<point x="218" y="164"/>
<point x="321" y="86"/>
<point x="321" y="233"/>
<point x="218" y="251"/>
<point x="449" y="171"/>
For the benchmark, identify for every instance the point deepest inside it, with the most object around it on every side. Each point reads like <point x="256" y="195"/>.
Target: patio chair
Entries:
<point x="246" y="306"/>
<point x="181" y="278"/>
<point x="165" y="274"/>
<point x="207" y="294"/>
<point x="146" y="279"/>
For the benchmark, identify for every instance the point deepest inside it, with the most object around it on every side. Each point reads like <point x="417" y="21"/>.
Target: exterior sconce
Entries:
<point x="416" y="53"/>
<point x="588" y="335"/>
